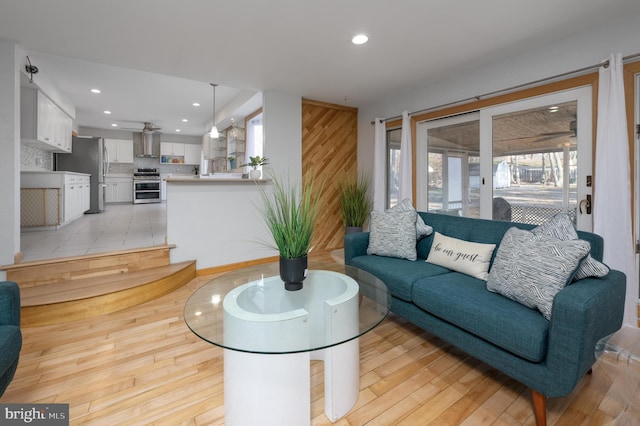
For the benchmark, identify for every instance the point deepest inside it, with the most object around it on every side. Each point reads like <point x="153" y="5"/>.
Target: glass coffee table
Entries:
<point x="270" y="335"/>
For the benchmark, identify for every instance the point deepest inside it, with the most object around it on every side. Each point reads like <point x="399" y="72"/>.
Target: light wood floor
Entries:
<point x="143" y="366"/>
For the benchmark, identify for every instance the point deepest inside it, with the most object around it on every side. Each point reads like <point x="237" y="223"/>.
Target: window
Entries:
<point x="393" y="166"/>
<point x="255" y="145"/>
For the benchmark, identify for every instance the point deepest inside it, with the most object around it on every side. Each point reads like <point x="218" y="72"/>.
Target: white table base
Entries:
<point x="275" y="389"/>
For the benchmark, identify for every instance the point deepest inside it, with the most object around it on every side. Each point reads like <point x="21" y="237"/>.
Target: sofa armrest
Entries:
<point x="583" y="313"/>
<point x="9" y="303"/>
<point x="355" y="244"/>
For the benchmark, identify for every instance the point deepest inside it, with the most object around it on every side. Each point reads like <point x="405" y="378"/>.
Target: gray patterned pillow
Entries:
<point x="393" y="234"/>
<point x="532" y="269"/>
<point x="561" y="227"/>
<point x="422" y="229"/>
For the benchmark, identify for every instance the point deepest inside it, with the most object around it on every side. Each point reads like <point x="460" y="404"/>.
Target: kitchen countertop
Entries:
<point x="213" y="179"/>
<point x="55" y="172"/>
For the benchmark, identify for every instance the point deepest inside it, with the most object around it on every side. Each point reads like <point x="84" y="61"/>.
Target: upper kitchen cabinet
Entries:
<point x="119" y="151"/>
<point x="192" y="154"/>
<point x="42" y="123"/>
<point x="180" y="153"/>
<point x="171" y="152"/>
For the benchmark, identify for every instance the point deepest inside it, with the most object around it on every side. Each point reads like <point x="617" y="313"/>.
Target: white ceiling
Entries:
<point x="153" y="59"/>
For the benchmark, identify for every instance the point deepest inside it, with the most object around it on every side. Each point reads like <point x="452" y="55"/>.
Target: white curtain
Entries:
<point x="612" y="198"/>
<point x="405" y="184"/>
<point x="379" y="166"/>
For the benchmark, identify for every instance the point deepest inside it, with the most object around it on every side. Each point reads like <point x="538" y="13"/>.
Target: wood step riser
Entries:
<point x="56" y="313"/>
<point x="81" y="267"/>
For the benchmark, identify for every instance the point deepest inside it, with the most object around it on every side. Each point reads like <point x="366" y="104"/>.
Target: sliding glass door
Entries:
<point x="448" y="166"/>
<point x="523" y="162"/>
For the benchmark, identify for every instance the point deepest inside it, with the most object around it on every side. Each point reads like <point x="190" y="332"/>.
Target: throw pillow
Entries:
<point x="531" y="269"/>
<point x="422" y="229"/>
<point x="393" y="234"/>
<point x="462" y="256"/>
<point x="561" y="227"/>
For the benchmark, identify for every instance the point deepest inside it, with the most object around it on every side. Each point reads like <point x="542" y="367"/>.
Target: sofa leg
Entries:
<point x="539" y="407"/>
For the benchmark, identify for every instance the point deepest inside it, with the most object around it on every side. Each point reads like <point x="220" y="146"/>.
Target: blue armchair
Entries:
<point x="10" y="334"/>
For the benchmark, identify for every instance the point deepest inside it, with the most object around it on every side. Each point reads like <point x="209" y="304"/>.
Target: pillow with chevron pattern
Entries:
<point x="531" y="269"/>
<point x="561" y="227"/>
<point x="393" y="233"/>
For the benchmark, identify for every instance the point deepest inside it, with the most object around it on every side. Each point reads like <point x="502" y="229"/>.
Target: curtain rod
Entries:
<point x="509" y="89"/>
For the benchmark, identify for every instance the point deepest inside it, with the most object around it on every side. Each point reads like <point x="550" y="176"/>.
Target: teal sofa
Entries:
<point x="10" y="334"/>
<point x="548" y="356"/>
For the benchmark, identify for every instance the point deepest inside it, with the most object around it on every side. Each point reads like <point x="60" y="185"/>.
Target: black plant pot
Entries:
<point x="293" y="272"/>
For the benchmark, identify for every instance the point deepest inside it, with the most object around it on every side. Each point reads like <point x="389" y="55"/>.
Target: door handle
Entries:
<point x="587" y="204"/>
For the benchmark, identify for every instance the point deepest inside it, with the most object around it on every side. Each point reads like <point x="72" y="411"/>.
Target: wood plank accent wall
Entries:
<point x="329" y="153"/>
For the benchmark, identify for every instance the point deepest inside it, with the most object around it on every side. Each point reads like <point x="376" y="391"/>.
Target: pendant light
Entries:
<point x="214" y="130"/>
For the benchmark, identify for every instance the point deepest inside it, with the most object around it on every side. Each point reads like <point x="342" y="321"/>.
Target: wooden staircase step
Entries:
<point x="94" y="285"/>
<point x="66" y="269"/>
<point x="60" y="302"/>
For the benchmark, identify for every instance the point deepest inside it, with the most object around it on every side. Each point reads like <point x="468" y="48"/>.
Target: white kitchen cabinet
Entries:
<point x="42" y="123"/>
<point x="192" y="154"/>
<point x="172" y="148"/>
<point x="119" y="189"/>
<point x="72" y="201"/>
<point x="119" y="150"/>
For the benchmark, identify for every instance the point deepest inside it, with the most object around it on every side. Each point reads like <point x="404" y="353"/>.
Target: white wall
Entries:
<point x="579" y="51"/>
<point x="10" y="157"/>
<point x="282" y="120"/>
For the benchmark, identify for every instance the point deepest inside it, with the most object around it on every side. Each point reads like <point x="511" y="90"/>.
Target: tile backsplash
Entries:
<point x="33" y="159"/>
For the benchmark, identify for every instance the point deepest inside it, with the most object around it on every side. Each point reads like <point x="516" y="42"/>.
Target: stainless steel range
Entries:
<point x="146" y="186"/>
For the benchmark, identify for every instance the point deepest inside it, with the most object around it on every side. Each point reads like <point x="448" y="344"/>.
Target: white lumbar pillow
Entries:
<point x="462" y="256"/>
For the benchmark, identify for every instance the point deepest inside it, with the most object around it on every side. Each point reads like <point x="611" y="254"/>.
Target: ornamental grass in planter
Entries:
<point x="355" y="201"/>
<point x="291" y="214"/>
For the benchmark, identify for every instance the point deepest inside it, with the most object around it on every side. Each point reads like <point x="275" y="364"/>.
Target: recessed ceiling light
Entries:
<point x="184" y="120"/>
<point x="107" y="112"/>
<point x="114" y="125"/>
<point x="360" y="39"/>
<point x="177" y="130"/>
<point x="95" y="91"/>
<point x="195" y="104"/>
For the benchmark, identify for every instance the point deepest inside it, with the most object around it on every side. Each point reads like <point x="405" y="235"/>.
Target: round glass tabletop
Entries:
<point x="249" y="310"/>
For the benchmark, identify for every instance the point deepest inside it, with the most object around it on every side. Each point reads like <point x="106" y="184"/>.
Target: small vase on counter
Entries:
<point x="255" y="174"/>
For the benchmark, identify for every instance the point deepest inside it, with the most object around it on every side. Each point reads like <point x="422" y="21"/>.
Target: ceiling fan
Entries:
<point x="541" y="137"/>
<point x="148" y="128"/>
<point x="573" y="126"/>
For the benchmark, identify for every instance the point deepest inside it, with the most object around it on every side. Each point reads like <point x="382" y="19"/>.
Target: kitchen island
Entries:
<point x="217" y="220"/>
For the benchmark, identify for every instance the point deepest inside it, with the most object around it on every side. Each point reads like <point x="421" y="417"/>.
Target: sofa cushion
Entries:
<point x="561" y="227"/>
<point x="10" y="345"/>
<point x="465" y="302"/>
<point x="422" y="229"/>
<point x="532" y="269"/>
<point x="393" y="234"/>
<point x="397" y="274"/>
<point x="461" y="256"/>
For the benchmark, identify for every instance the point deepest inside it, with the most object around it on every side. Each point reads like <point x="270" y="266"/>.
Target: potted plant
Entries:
<point x="355" y="201"/>
<point x="254" y="163"/>
<point x="232" y="162"/>
<point x="291" y="214"/>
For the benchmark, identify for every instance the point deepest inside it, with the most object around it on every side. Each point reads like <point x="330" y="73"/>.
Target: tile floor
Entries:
<point x="121" y="226"/>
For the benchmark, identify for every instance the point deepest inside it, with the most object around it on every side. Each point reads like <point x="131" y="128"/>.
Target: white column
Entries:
<point x="282" y="118"/>
<point x="10" y="157"/>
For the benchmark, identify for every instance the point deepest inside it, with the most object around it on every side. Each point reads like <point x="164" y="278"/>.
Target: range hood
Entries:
<point x="147" y="145"/>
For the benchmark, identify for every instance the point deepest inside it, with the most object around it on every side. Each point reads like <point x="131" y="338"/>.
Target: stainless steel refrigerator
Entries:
<point x="89" y="155"/>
